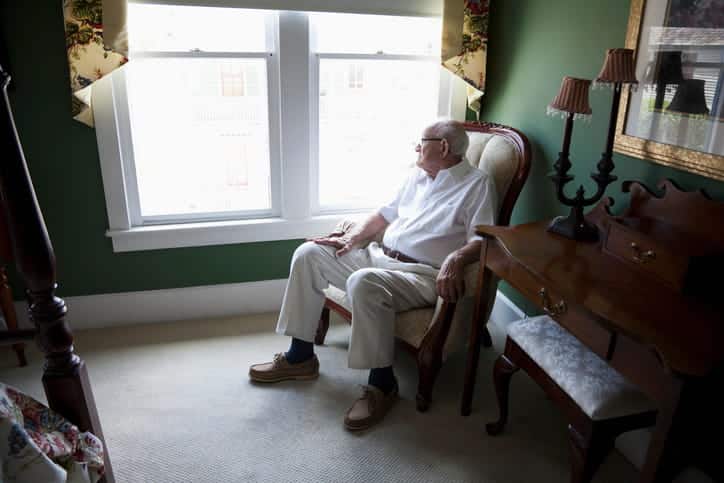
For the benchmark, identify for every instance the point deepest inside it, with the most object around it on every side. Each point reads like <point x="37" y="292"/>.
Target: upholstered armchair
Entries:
<point x="434" y="332"/>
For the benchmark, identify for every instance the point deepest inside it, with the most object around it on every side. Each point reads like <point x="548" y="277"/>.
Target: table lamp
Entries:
<point x="572" y="101"/>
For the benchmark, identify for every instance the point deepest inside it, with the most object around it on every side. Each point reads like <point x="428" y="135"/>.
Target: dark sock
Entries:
<point x="383" y="379"/>
<point x="299" y="351"/>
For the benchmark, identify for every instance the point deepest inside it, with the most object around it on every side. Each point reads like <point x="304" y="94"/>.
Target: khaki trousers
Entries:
<point x="377" y="286"/>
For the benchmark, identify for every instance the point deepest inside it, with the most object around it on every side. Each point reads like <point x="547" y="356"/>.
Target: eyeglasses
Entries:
<point x="422" y="140"/>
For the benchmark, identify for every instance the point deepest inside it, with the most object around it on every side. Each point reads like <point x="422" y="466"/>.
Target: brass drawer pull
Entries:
<point x="642" y="256"/>
<point x="557" y="309"/>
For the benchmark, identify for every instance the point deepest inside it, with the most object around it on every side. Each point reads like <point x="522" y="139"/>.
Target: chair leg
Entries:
<point x="429" y="362"/>
<point x="428" y="368"/>
<point x="587" y="453"/>
<point x="322" y="327"/>
<point x="487" y="340"/>
<point x="502" y="373"/>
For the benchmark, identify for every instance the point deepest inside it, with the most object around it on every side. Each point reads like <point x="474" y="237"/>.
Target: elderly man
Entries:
<point x="429" y="239"/>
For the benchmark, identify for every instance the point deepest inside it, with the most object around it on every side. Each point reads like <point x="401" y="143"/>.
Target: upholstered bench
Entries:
<point x="597" y="401"/>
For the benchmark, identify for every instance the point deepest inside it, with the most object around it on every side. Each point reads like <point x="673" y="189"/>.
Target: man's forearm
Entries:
<point x="468" y="254"/>
<point x="370" y="228"/>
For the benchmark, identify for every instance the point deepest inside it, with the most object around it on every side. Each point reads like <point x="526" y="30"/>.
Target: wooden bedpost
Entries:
<point x="65" y="378"/>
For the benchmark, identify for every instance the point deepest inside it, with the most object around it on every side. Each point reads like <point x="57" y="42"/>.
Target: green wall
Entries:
<point x="532" y="45"/>
<point x="63" y="162"/>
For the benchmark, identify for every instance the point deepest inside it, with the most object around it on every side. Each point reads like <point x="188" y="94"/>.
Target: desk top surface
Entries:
<point x="688" y="334"/>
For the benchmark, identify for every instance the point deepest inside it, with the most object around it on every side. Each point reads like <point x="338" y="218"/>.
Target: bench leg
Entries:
<point x="587" y="452"/>
<point x="502" y="373"/>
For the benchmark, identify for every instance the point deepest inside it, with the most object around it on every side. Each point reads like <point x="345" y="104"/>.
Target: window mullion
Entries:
<point x="314" y="132"/>
<point x="295" y="104"/>
<point x="274" y="107"/>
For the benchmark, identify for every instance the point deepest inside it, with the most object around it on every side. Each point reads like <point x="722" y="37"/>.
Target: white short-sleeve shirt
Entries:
<point x="430" y="218"/>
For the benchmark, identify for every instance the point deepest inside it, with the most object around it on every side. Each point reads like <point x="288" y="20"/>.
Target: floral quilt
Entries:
<point x="38" y="445"/>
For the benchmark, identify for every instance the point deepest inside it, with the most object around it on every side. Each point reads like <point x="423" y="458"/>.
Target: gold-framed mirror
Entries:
<point x="676" y="116"/>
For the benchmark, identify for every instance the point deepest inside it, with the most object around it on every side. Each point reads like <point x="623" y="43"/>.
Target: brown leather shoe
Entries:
<point x="370" y="408"/>
<point x="281" y="370"/>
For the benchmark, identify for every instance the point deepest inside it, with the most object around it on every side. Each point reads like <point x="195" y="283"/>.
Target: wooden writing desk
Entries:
<point x="668" y="343"/>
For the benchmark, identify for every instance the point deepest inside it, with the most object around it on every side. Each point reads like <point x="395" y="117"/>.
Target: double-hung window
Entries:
<point x="377" y="82"/>
<point x="232" y="125"/>
<point x="199" y="114"/>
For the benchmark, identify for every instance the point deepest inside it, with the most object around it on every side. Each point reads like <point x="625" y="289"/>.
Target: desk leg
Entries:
<point x="662" y="457"/>
<point x="485" y="278"/>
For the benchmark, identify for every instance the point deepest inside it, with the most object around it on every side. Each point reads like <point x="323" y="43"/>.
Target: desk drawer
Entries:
<point x="646" y="255"/>
<point x="573" y="318"/>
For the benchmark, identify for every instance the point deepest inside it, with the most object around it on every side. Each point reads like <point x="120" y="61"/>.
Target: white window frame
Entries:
<point x="293" y="90"/>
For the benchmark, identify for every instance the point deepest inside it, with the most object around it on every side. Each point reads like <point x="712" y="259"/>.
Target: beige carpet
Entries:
<point x="176" y="406"/>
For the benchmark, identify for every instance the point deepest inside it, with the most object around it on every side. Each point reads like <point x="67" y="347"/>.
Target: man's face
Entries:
<point x="429" y="153"/>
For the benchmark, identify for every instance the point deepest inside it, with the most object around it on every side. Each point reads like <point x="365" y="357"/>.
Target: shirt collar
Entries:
<point x="458" y="171"/>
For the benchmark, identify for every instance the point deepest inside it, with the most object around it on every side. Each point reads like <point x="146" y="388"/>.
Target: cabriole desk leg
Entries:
<point x="485" y="278"/>
<point x="664" y="455"/>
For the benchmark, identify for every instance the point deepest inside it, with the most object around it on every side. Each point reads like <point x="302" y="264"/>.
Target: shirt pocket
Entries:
<point x="444" y="219"/>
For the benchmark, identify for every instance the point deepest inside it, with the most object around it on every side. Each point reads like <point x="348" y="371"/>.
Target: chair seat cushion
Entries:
<point x="408" y="325"/>
<point x="598" y="389"/>
<point x="412" y="326"/>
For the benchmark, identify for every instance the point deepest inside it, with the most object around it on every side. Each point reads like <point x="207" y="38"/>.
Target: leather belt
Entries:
<point x="398" y="255"/>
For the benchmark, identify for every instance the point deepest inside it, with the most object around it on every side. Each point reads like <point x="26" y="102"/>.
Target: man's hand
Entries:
<point x="451" y="278"/>
<point x="343" y="243"/>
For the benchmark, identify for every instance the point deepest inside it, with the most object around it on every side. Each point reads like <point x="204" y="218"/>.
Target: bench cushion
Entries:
<point x="598" y="389"/>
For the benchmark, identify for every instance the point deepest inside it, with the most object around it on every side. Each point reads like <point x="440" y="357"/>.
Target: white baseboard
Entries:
<point x="209" y="301"/>
<point x="505" y="311"/>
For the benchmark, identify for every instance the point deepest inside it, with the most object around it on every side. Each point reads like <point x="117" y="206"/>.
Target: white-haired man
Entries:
<point x="429" y="239"/>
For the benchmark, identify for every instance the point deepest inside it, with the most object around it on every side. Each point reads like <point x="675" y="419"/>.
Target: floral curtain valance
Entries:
<point x="464" y="44"/>
<point x="97" y="43"/>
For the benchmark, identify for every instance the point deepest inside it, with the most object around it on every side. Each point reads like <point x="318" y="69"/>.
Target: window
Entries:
<point x="207" y="137"/>
<point x="367" y="85"/>
<point x="198" y="107"/>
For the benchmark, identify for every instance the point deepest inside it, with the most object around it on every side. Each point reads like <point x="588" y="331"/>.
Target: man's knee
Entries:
<point x="309" y="251"/>
<point x="366" y="283"/>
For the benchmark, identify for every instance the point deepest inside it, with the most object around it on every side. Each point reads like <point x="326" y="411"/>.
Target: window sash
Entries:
<point x="444" y="110"/>
<point x="129" y="166"/>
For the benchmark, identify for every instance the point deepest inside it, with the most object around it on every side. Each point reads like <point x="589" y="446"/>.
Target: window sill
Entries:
<point x="223" y="232"/>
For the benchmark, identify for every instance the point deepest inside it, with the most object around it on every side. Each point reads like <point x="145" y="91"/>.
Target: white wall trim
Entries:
<point x="204" y="302"/>
<point x="505" y="311"/>
<point x="153" y="237"/>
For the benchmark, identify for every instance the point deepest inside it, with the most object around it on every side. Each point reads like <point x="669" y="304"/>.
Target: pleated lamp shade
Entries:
<point x="572" y="97"/>
<point x="689" y="98"/>
<point x="618" y="66"/>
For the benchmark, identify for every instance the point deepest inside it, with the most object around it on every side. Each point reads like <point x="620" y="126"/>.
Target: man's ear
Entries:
<point x="444" y="148"/>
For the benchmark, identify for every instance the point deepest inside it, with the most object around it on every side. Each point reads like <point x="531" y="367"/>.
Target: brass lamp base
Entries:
<point x="574" y="227"/>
